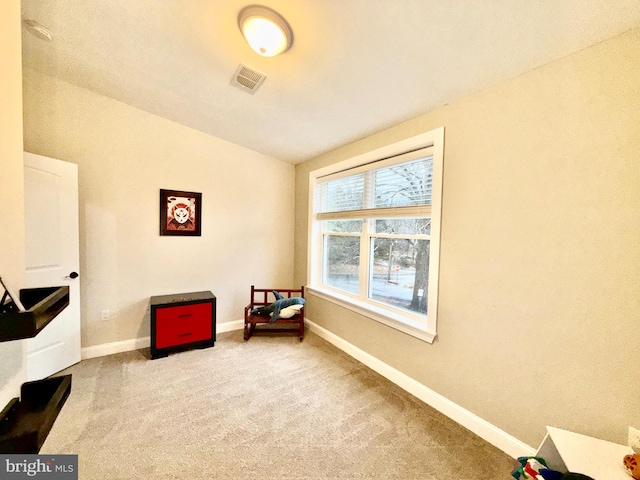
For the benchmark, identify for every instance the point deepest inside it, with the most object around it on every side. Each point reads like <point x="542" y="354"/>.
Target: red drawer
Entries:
<point x="183" y="324"/>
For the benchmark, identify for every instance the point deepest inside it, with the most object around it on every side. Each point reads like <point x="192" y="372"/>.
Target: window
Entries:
<point x="374" y="233"/>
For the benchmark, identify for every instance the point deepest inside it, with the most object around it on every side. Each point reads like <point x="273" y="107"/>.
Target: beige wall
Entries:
<point x="125" y="157"/>
<point x="12" y="262"/>
<point x="540" y="257"/>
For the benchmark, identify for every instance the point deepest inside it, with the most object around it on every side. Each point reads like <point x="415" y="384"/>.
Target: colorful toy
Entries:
<point x="278" y="306"/>
<point x="535" y="468"/>
<point x="529" y="468"/>
<point x="632" y="464"/>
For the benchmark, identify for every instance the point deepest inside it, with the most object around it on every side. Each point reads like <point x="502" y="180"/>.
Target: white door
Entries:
<point x="52" y="258"/>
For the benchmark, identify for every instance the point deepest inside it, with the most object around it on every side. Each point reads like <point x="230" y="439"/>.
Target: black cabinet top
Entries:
<point x="42" y="306"/>
<point x="181" y="298"/>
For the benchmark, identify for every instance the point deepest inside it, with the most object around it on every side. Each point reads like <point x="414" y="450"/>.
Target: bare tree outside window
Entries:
<point x="398" y="273"/>
<point x="374" y="233"/>
<point x="342" y="263"/>
<point x="405" y="261"/>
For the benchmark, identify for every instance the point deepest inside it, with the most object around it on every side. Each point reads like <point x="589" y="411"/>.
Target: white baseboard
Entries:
<point x="230" y="326"/>
<point x="115" y="347"/>
<point x="144" y="342"/>
<point x="485" y="430"/>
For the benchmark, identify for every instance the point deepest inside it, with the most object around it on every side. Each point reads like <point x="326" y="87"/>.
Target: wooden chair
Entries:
<point x="261" y="297"/>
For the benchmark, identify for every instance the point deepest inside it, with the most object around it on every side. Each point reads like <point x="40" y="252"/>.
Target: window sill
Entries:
<point x="396" y="321"/>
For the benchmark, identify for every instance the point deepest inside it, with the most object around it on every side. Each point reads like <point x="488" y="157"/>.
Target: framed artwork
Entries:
<point x="180" y="213"/>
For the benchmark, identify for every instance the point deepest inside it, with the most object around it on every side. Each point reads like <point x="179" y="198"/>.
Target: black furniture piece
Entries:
<point x="181" y="322"/>
<point x="41" y="305"/>
<point x="26" y="422"/>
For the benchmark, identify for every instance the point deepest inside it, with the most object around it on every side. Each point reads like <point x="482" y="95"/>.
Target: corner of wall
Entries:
<point x="12" y="262"/>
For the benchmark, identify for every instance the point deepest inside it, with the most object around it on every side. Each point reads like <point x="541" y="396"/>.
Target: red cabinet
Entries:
<point x="182" y="321"/>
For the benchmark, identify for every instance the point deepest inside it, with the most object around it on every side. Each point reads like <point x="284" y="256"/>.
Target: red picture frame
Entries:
<point x="180" y="213"/>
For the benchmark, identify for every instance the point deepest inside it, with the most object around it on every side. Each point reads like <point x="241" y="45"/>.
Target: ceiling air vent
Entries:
<point x="247" y="79"/>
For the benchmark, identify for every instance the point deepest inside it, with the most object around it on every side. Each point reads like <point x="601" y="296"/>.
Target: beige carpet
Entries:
<point x="269" y="408"/>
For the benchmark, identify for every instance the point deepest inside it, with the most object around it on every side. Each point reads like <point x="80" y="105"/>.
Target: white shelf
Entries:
<point x="567" y="451"/>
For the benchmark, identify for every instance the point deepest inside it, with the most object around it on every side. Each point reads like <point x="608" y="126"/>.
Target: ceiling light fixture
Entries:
<point x="266" y="31"/>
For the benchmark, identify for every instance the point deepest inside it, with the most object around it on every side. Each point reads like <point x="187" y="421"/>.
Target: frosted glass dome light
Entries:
<point x="266" y="31"/>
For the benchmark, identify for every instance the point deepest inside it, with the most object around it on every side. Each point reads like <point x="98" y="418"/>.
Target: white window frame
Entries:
<point x="424" y="328"/>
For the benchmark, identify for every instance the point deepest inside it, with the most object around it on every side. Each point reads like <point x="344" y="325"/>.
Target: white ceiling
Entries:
<point x="356" y="66"/>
